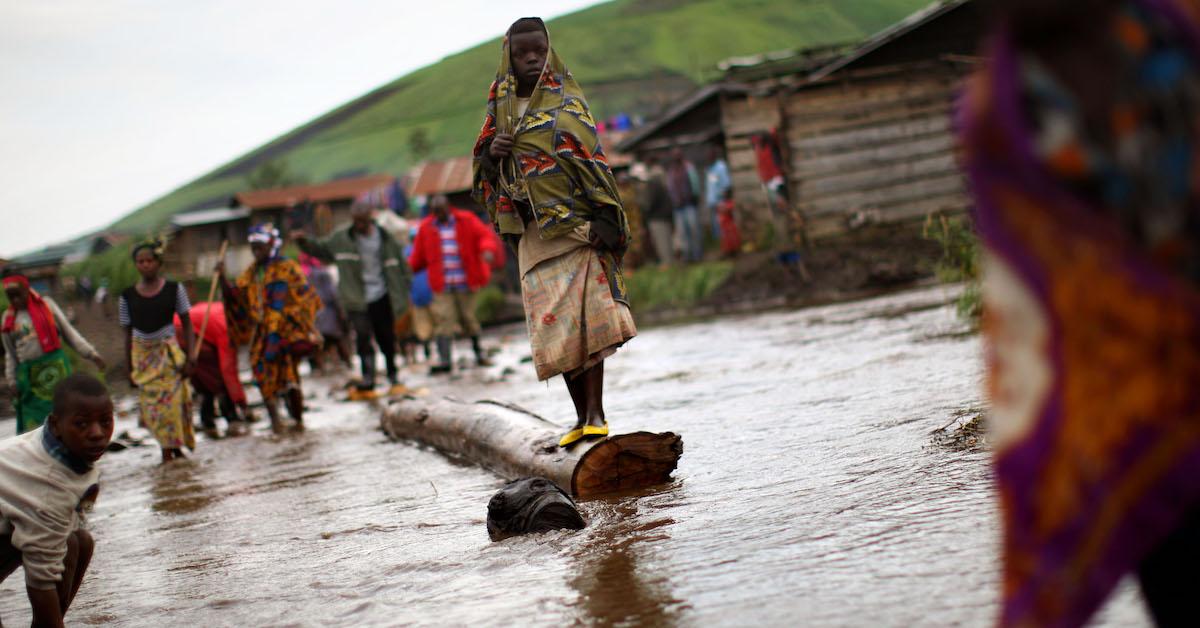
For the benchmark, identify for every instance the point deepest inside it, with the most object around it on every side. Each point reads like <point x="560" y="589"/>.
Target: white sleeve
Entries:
<point x="182" y="305"/>
<point x="69" y="333"/>
<point x="123" y="312"/>
<point x="10" y="360"/>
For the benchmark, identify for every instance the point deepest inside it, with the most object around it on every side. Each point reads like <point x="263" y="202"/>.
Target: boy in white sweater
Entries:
<point x="47" y="481"/>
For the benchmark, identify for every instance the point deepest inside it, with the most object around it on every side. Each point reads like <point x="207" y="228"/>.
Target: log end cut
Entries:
<point x="627" y="462"/>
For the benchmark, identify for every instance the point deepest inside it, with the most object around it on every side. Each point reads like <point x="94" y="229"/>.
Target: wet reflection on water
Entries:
<point x="613" y="586"/>
<point x="809" y="494"/>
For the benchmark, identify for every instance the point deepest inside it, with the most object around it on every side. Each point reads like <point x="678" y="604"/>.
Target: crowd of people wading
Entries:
<point x="1080" y="141"/>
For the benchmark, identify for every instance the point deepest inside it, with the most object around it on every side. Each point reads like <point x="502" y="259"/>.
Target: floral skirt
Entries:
<point x="573" y="320"/>
<point x="164" y="395"/>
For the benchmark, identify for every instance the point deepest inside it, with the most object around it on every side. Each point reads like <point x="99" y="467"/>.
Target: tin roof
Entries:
<point x="340" y="189"/>
<point x="209" y="216"/>
<point x="447" y="176"/>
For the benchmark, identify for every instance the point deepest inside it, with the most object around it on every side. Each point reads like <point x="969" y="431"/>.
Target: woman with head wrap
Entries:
<point x="273" y="309"/>
<point x="159" y="364"/>
<point x="33" y="330"/>
<point x="1082" y="142"/>
<point x="540" y="171"/>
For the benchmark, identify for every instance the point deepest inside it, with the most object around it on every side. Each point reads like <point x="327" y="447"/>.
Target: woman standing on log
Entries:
<point x="158" y="363"/>
<point x="540" y="171"/>
<point x="273" y="309"/>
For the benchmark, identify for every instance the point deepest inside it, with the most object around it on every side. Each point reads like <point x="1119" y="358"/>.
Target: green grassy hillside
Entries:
<point x="629" y="55"/>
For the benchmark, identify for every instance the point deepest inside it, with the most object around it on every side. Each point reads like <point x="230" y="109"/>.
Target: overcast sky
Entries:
<point x="106" y="105"/>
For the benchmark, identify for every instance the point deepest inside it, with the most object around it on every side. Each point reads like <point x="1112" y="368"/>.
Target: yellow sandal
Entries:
<point x="593" y="430"/>
<point x="570" y="437"/>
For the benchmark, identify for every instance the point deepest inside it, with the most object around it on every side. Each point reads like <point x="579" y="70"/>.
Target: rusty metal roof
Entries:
<point x="338" y="190"/>
<point x="447" y="176"/>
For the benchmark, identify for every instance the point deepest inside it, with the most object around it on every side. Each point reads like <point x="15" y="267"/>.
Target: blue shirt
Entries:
<point x="717" y="181"/>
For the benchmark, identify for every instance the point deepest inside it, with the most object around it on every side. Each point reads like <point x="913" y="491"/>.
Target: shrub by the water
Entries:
<point x="959" y="261"/>
<point x="676" y="286"/>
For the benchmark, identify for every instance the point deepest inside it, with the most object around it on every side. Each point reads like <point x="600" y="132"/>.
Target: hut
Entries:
<point x="866" y="138"/>
<point x="197" y="237"/>
<point x="451" y="177"/>
<point x="846" y="135"/>
<point x="43" y="266"/>
<point x="319" y="208"/>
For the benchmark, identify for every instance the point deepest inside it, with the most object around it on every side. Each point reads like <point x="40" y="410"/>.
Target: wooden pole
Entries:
<point x="516" y="443"/>
<point x="212" y="293"/>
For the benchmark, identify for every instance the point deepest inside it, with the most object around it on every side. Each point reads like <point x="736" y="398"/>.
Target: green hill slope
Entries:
<point x="629" y="55"/>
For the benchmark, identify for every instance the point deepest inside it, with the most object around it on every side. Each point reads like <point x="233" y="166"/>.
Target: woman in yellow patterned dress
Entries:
<point x="158" y="365"/>
<point x="273" y="309"/>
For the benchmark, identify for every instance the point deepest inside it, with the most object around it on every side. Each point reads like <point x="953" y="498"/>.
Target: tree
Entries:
<point x="419" y="144"/>
<point x="273" y="173"/>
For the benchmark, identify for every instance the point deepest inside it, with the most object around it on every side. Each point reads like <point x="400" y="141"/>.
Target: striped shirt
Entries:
<point x="182" y="307"/>
<point x="456" y="275"/>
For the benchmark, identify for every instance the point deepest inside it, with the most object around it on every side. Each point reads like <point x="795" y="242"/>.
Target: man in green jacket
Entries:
<point x="373" y="285"/>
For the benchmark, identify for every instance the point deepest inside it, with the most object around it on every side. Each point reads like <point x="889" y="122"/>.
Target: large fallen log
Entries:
<point x="517" y="443"/>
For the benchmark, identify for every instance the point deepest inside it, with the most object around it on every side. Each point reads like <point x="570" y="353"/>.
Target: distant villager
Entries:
<point x="159" y="364"/>
<point x="459" y="253"/>
<point x="273" y="309"/>
<point x="373" y="280"/>
<point x="215" y="377"/>
<point x="683" y="184"/>
<point x="543" y="176"/>
<point x="332" y="321"/>
<point x="33" y="331"/>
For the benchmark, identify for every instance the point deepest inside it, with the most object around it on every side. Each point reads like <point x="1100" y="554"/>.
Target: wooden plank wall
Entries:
<point x="878" y="147"/>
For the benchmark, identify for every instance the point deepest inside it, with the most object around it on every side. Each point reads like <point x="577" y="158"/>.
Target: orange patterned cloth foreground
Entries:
<point x="1093" y="337"/>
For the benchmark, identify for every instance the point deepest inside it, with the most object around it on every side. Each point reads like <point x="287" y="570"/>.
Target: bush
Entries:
<point x="959" y="261"/>
<point x="676" y="286"/>
<point x="488" y="303"/>
<point x="114" y="266"/>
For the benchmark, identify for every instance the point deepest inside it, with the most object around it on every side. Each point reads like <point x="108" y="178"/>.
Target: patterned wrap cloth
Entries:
<point x="557" y="164"/>
<point x="164" y="397"/>
<point x="36" y="380"/>
<point x="271" y="307"/>
<point x="1092" y="313"/>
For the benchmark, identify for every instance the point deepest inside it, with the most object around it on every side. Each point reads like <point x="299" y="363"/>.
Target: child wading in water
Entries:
<point x="158" y="365"/>
<point x="540" y="171"/>
<point x="47" y="482"/>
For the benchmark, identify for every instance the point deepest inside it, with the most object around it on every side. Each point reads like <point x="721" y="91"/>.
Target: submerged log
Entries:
<point x="517" y="443"/>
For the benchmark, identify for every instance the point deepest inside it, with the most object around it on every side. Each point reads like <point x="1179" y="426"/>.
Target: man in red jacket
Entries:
<point x="459" y="252"/>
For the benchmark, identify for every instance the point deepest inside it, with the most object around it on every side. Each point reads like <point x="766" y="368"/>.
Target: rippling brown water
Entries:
<point x="808" y="494"/>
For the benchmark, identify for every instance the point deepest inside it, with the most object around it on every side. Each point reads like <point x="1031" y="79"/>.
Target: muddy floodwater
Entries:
<point x="809" y="494"/>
